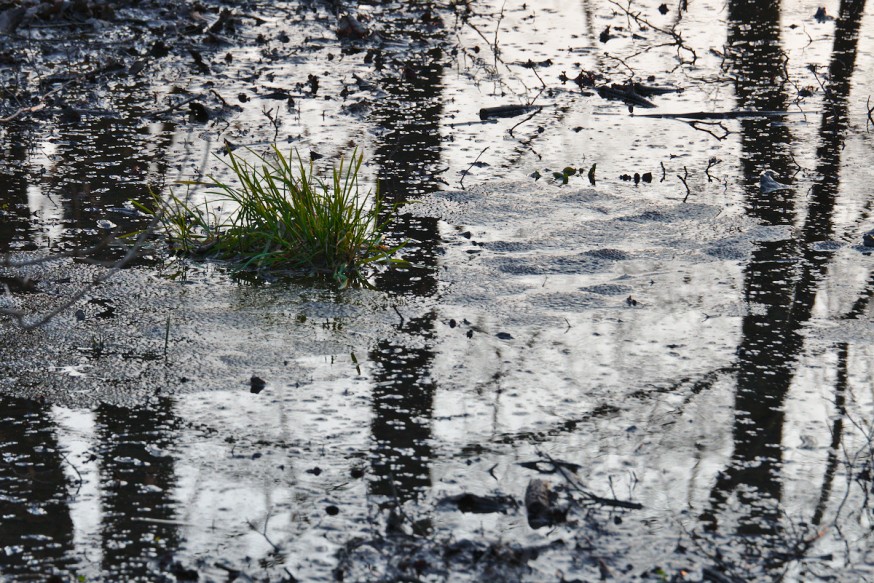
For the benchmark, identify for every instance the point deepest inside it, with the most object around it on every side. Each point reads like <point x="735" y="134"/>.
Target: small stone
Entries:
<point x="256" y="385"/>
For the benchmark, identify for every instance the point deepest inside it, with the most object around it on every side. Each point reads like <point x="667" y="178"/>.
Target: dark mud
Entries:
<point x="613" y="355"/>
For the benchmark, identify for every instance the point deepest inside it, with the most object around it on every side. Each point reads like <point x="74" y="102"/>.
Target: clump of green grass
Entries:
<point x="284" y="217"/>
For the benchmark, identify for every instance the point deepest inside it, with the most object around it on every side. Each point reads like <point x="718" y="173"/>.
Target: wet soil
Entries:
<point x="614" y="354"/>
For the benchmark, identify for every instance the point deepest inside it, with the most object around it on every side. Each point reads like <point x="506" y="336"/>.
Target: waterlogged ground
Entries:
<point x="681" y="358"/>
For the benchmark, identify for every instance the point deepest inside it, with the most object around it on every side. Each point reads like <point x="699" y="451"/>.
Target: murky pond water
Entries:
<point x="606" y="312"/>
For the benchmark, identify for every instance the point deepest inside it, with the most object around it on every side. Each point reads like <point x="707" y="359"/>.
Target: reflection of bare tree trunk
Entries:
<point x="837" y="431"/>
<point x="776" y="282"/>
<point x="36" y="531"/>
<point x="819" y="224"/>
<point x="767" y="341"/>
<point x="13" y="189"/>
<point x="403" y="393"/>
<point x="138" y="481"/>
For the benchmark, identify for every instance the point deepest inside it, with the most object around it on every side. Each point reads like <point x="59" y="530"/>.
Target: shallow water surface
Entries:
<point x="601" y="301"/>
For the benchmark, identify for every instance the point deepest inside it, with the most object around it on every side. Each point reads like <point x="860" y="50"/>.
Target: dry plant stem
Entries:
<point x="42" y="99"/>
<point x="173" y="108"/>
<point x="39" y="106"/>
<point x="710" y="164"/>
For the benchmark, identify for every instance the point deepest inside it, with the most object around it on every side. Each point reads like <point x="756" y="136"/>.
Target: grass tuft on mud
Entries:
<point x="284" y="217"/>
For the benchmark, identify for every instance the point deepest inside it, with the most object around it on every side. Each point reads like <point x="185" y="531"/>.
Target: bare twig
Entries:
<point x="20" y="316"/>
<point x="264" y="532"/>
<point x="533" y="113"/>
<point x="465" y="173"/>
<point x="572" y="480"/>
<point x="677" y="38"/>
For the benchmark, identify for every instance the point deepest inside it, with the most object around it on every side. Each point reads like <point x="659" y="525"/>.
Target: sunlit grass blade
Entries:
<point x="284" y="217"/>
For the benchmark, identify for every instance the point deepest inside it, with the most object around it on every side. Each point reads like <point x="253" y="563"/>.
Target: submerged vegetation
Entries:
<point x="283" y="216"/>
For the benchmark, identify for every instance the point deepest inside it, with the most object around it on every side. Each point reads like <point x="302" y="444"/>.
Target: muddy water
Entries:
<point x="685" y="360"/>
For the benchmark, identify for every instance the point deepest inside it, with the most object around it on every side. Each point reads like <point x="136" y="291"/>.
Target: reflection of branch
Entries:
<point x="20" y="317"/>
<point x="264" y="532"/>
<point x="710" y="164"/>
<point x="683" y="180"/>
<point x="837" y="435"/>
<point x="702" y="126"/>
<point x="533" y="113"/>
<point x="678" y="39"/>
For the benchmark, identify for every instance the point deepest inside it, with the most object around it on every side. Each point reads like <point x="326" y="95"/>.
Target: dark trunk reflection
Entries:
<point x="403" y="393"/>
<point x="14" y="212"/>
<point x="36" y="531"/>
<point x="782" y="277"/>
<point x="138" y="480"/>
<point x="764" y="371"/>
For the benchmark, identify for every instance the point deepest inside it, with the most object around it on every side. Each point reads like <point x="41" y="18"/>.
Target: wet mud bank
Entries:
<point x="620" y="349"/>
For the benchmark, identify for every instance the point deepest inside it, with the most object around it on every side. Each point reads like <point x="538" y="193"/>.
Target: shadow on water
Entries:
<point x="403" y="393"/>
<point x="782" y="276"/>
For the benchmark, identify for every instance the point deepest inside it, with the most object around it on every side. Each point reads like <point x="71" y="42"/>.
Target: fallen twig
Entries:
<point x="575" y="485"/>
<point x="533" y="113"/>
<point x="506" y="111"/>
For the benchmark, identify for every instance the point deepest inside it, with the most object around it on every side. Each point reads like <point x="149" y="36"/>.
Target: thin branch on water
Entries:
<point x="677" y="37"/>
<point x="575" y="485"/>
<point x="466" y="172"/>
<point x="20" y="317"/>
<point x="401" y="316"/>
<point x="264" y="532"/>
<point x="533" y="113"/>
